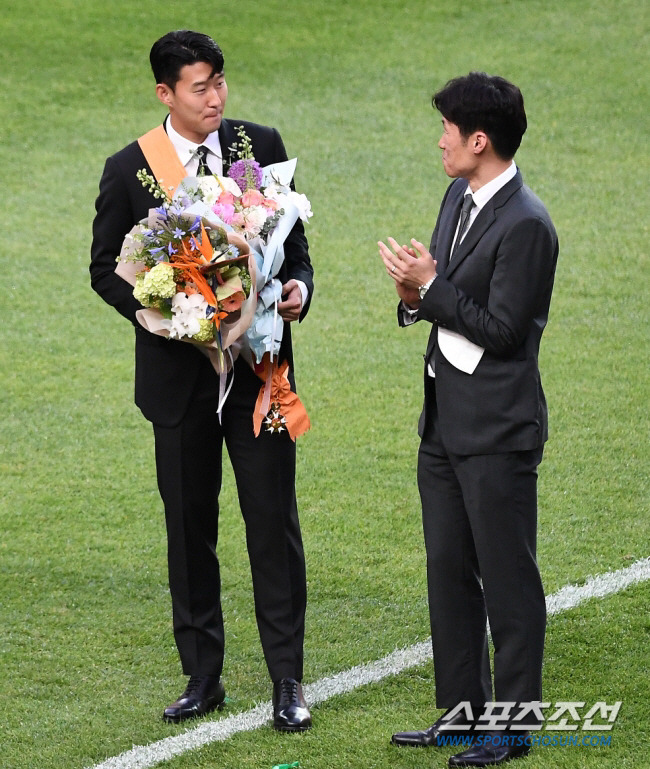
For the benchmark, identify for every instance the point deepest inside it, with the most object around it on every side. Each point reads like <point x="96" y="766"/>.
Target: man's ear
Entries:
<point x="164" y="94"/>
<point x="478" y="142"/>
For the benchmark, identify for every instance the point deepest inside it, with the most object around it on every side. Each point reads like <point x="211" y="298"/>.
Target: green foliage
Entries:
<point x="243" y="150"/>
<point x="87" y="660"/>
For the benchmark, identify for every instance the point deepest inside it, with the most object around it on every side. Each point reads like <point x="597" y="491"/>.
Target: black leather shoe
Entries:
<point x="427" y="738"/>
<point x="506" y="748"/>
<point x="203" y="694"/>
<point x="290" y="711"/>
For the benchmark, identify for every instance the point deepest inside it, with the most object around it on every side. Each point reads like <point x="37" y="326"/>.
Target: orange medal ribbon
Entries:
<point x="291" y="408"/>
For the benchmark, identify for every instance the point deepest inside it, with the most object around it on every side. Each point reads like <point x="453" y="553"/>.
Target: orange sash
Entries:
<point x="159" y="152"/>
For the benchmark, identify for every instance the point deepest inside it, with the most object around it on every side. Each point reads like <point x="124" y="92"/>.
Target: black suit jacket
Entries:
<point x="166" y="370"/>
<point x="496" y="292"/>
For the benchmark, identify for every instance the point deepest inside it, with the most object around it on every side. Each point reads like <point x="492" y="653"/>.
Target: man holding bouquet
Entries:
<point x="178" y="391"/>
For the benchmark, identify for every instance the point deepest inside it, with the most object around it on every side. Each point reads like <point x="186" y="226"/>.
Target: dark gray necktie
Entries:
<point x="468" y="204"/>
<point x="204" y="168"/>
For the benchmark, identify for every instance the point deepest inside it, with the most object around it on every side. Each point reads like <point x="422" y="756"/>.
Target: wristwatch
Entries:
<point x="422" y="290"/>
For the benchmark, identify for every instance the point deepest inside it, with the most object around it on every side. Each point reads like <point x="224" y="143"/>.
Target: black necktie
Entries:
<point x="204" y="168"/>
<point x="468" y="204"/>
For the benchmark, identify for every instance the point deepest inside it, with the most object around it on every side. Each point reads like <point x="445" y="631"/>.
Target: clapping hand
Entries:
<point x="409" y="266"/>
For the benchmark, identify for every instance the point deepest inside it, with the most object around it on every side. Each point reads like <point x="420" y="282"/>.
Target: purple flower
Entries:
<point x="247" y="173"/>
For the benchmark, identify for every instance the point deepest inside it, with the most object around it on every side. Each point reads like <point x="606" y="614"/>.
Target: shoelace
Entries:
<point x="289" y="689"/>
<point x="193" y="684"/>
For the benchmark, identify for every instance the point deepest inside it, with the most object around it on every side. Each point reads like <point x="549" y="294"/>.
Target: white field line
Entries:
<point x="145" y="756"/>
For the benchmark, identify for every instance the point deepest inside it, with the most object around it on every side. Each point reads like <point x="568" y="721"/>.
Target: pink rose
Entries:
<point x="225" y="212"/>
<point x="252" y="198"/>
<point x="226" y="197"/>
<point x="269" y="204"/>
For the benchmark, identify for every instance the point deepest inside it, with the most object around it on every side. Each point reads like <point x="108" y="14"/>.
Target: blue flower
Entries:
<point x="178" y="233"/>
<point x="171" y="250"/>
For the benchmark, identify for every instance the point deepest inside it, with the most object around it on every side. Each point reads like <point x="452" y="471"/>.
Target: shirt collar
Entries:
<point x="185" y="149"/>
<point x="489" y="190"/>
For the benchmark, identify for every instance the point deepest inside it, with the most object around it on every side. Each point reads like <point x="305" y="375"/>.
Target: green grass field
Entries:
<point x="87" y="660"/>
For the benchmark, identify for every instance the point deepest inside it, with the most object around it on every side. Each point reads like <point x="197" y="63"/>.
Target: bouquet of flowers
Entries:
<point x="204" y="265"/>
<point x="258" y="204"/>
<point x="194" y="278"/>
<point x="191" y="272"/>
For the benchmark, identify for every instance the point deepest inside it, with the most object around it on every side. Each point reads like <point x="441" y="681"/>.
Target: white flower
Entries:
<point x="254" y="219"/>
<point x="210" y="189"/>
<point x="284" y="195"/>
<point x="302" y="203"/>
<point x="188" y="311"/>
<point x="276" y="191"/>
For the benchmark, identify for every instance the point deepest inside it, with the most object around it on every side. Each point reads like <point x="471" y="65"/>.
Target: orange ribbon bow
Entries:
<point x="277" y="390"/>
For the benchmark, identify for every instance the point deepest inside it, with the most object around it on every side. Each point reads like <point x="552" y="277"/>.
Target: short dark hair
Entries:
<point x="174" y="50"/>
<point x="481" y="102"/>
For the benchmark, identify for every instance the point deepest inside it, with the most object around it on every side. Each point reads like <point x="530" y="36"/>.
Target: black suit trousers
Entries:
<point x="188" y="462"/>
<point x="480" y="520"/>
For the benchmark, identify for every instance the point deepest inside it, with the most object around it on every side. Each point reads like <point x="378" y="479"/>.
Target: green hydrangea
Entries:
<point x="139" y="292"/>
<point x="206" y="332"/>
<point x="159" y="281"/>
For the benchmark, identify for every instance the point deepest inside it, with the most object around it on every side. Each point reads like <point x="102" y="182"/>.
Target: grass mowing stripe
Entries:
<point x="143" y="757"/>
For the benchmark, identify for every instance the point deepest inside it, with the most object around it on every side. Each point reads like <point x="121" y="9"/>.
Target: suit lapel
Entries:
<point x="486" y="217"/>
<point x="227" y="139"/>
<point x="479" y="226"/>
<point x="447" y="227"/>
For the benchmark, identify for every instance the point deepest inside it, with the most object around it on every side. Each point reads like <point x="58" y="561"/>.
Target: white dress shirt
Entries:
<point x="186" y="150"/>
<point x="485" y="193"/>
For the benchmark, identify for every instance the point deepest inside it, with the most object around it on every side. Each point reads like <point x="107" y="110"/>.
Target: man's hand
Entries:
<point x="409" y="266"/>
<point x="291" y="305"/>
